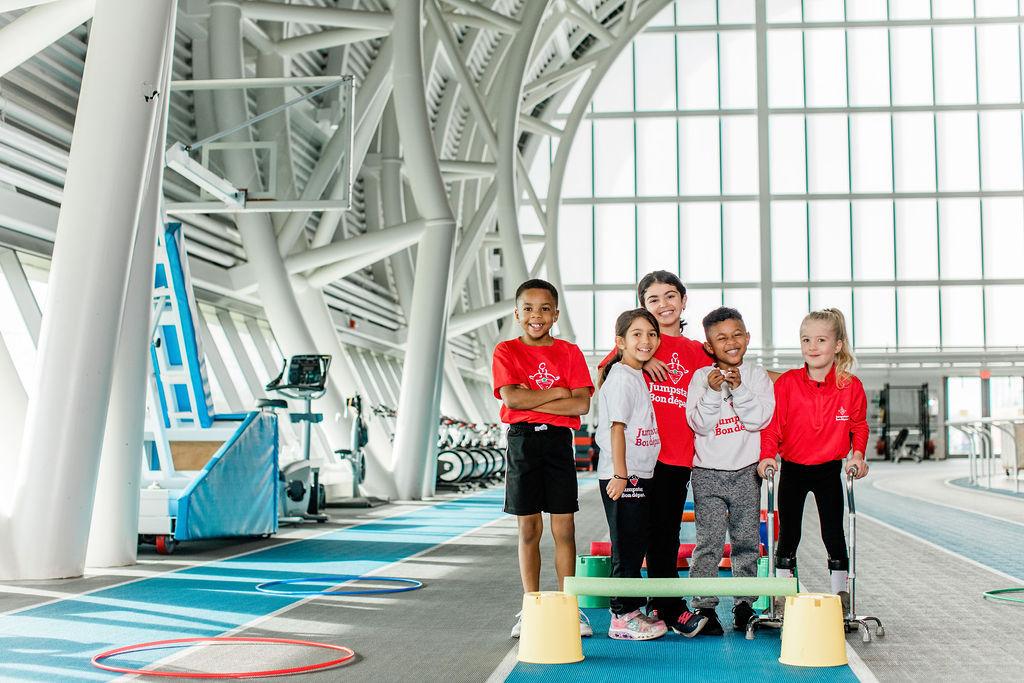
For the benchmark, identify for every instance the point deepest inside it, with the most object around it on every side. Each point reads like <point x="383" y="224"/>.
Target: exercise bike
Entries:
<point x="355" y="456"/>
<point x="301" y="496"/>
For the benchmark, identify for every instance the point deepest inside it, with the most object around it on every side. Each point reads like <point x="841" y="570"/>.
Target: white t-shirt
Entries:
<point x="727" y="423"/>
<point x="624" y="397"/>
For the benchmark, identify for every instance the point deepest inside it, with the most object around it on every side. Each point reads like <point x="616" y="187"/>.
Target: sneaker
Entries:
<point x="518" y="628"/>
<point x="844" y="598"/>
<point x="712" y="627"/>
<point x="688" y="624"/>
<point x="635" y="626"/>
<point x="585" y="629"/>
<point x="741" y="615"/>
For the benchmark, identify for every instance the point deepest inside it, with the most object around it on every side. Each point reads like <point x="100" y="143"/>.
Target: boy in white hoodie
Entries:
<point x="729" y="403"/>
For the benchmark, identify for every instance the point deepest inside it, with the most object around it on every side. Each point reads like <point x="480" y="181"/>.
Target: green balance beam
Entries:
<point x="670" y="588"/>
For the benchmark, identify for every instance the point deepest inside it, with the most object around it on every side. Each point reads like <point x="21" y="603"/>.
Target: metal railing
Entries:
<point x="981" y="454"/>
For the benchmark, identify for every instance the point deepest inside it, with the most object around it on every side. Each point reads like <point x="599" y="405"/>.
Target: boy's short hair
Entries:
<point x="720" y="315"/>
<point x="537" y="283"/>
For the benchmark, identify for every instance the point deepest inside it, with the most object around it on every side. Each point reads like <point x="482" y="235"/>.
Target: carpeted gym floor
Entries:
<point x="927" y="551"/>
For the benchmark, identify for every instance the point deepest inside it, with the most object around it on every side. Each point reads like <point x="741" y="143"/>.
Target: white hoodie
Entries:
<point x="727" y="422"/>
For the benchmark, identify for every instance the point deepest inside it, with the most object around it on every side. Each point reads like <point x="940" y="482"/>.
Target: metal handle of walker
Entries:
<point x="769" y="475"/>
<point x="851" y="475"/>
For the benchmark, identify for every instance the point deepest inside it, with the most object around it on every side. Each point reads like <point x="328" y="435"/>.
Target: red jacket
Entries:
<point x="815" y="422"/>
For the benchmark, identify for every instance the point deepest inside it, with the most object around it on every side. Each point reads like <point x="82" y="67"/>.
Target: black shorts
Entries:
<point x="541" y="474"/>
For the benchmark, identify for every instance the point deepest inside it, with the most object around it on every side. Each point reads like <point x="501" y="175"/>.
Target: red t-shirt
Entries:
<point x="815" y="422"/>
<point x="683" y="356"/>
<point x="539" y="367"/>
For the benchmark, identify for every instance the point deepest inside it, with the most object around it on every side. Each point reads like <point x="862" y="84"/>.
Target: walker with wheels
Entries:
<point x="768" y="618"/>
<point x="853" y="621"/>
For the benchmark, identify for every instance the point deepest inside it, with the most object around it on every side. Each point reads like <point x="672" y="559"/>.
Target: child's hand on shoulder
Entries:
<point x="657" y="370"/>
<point x="716" y="379"/>
<point x="615" y="488"/>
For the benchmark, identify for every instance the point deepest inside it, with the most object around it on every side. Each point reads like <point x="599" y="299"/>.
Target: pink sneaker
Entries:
<point x="636" y="626"/>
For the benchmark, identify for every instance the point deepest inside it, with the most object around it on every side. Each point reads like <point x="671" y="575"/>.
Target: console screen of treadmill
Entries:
<point x="306" y="371"/>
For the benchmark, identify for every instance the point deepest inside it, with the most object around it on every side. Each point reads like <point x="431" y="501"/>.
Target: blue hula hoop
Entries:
<point x="411" y="585"/>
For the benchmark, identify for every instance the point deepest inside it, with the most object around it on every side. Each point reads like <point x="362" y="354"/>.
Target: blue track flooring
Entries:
<point x="965" y="483"/>
<point x="56" y="641"/>
<point x="992" y="542"/>
<point x="672" y="657"/>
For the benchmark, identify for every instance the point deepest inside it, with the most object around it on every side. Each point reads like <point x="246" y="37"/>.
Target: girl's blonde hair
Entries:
<point x="845" y="359"/>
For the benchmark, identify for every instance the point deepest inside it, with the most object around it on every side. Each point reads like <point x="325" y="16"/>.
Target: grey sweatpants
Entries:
<point x="725" y="501"/>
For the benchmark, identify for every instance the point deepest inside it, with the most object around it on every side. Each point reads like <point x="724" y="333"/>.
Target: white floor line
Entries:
<point x="939" y="547"/>
<point x="886" y="489"/>
<point x="190" y="564"/>
<point x="266" y="617"/>
<point x="858" y="667"/>
<point x="505" y="668"/>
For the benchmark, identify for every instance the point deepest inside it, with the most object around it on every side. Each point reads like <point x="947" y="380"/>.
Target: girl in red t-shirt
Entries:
<point x="670" y="372"/>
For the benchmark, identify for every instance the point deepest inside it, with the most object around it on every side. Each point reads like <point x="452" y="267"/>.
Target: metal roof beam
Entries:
<point x="37" y="28"/>
<point x="322" y="16"/>
<point x="496" y="20"/>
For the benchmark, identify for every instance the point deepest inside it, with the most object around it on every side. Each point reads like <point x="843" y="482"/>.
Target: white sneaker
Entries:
<point x="585" y="629"/>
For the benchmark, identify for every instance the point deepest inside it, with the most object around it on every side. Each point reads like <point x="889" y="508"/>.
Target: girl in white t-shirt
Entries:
<point x="628" y="437"/>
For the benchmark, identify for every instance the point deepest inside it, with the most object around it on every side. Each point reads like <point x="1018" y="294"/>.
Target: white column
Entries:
<point x="13" y="404"/>
<point x="416" y="434"/>
<point x="391" y="201"/>
<point x="113" y="536"/>
<point x="510" y="93"/>
<point x="48" y="512"/>
<point x="272" y="65"/>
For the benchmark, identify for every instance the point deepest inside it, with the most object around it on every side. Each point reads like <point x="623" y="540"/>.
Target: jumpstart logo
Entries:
<point x="842" y="416"/>
<point x="544" y="379"/>
<point x="676" y="370"/>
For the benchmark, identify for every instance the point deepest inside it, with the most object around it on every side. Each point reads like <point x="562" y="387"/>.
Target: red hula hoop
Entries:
<point x="97" y="660"/>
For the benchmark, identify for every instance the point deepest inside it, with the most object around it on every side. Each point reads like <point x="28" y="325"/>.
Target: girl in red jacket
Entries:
<point x="820" y="414"/>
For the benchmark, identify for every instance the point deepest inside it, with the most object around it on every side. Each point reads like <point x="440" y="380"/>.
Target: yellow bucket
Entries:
<point x="551" y="629"/>
<point x="812" y="633"/>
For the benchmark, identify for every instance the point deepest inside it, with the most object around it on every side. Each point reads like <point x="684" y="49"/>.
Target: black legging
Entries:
<point x="825" y="482"/>
<point x="629" y="523"/>
<point x="668" y="497"/>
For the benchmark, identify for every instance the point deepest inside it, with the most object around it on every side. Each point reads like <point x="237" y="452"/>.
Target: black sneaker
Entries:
<point x="741" y="614"/>
<point x="688" y="624"/>
<point x="712" y="627"/>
